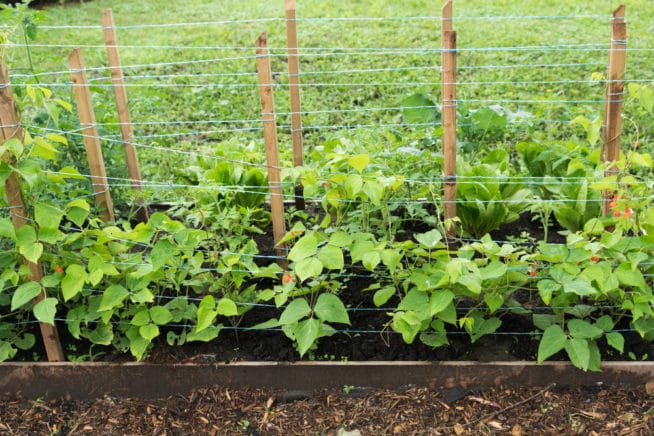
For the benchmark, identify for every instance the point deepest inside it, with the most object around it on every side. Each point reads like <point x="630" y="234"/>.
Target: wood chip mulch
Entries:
<point x="348" y="412"/>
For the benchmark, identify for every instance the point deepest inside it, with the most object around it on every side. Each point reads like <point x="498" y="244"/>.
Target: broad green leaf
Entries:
<point x="138" y="345"/>
<point x="434" y="339"/>
<point x="27" y="243"/>
<point x="43" y="149"/>
<point x="582" y="329"/>
<point x="493" y="270"/>
<point x="391" y="258"/>
<point x="73" y="281"/>
<point x="24" y="294"/>
<point x="630" y="277"/>
<point x="206" y="335"/>
<point x="370" y="260"/>
<point x="483" y="327"/>
<point x="359" y="162"/>
<point x="149" y="331"/>
<point x="45" y="310"/>
<point x="552" y="341"/>
<point x="306" y="268"/>
<point x="580" y="287"/>
<point x="440" y="300"/>
<point x="226" y="307"/>
<point x="340" y="239"/>
<point x="430" y="240"/>
<point x="331" y="257"/>
<point x="6" y="351"/>
<point x="307" y="333"/>
<point x="544" y="320"/>
<point x="546" y="288"/>
<point x="142" y="317"/>
<point x="615" y="340"/>
<point x="162" y="251"/>
<point x="407" y="324"/>
<point x="206" y="313"/>
<point x="493" y="300"/>
<point x="605" y="323"/>
<point x="330" y="308"/>
<point x="13" y="146"/>
<point x="472" y="282"/>
<point x="102" y="334"/>
<point x="578" y="352"/>
<point x="160" y="315"/>
<point x="113" y="297"/>
<point x="295" y="311"/>
<point x="305" y="247"/>
<point x="7" y="229"/>
<point x="419" y="109"/>
<point x="383" y="295"/>
<point x="414" y="300"/>
<point x="25" y="342"/>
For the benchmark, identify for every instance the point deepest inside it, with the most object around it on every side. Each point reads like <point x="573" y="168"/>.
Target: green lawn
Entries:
<point x="554" y="50"/>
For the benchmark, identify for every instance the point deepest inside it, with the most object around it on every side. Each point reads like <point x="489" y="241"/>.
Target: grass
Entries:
<point x="581" y="35"/>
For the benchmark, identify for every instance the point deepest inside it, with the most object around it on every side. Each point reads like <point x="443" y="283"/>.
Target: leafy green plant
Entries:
<point x="486" y="198"/>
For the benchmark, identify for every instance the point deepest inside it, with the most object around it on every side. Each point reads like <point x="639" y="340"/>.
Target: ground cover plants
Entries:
<point x="529" y="144"/>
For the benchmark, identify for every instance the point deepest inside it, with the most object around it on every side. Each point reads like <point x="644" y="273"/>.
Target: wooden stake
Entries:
<point x="613" y="101"/>
<point x="120" y="94"/>
<point x="270" y="138"/>
<point x="448" y="106"/>
<point x="294" y="88"/>
<point x="446" y="18"/>
<point x="91" y="137"/>
<point x="11" y="129"/>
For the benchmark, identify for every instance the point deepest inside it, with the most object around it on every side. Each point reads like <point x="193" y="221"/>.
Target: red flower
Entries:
<point x="595" y="259"/>
<point x="59" y="269"/>
<point x="627" y="212"/>
<point x="616" y="213"/>
<point x="287" y="278"/>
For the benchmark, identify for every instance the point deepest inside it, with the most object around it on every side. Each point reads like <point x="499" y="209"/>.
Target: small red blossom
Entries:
<point x="617" y="213"/>
<point x="287" y="278"/>
<point x="627" y="212"/>
<point x="595" y="259"/>
<point x="59" y="269"/>
<point x="532" y="273"/>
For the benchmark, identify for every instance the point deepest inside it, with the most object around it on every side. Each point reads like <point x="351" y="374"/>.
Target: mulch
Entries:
<point x="597" y="410"/>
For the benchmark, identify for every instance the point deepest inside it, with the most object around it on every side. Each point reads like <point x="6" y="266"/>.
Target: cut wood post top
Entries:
<point x="262" y="43"/>
<point x="290" y="5"/>
<point x="446" y="16"/>
<point x="619" y="13"/>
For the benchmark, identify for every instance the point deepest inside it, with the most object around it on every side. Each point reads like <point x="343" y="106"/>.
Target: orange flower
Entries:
<point x="627" y="212"/>
<point x="616" y="213"/>
<point x="595" y="259"/>
<point x="287" y="278"/>
<point x="59" y="269"/>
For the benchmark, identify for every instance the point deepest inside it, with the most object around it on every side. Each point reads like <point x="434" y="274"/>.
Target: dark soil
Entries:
<point x="220" y="411"/>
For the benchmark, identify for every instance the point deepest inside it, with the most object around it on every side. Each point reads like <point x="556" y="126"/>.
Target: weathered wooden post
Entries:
<point x="11" y="129"/>
<point x="270" y="138"/>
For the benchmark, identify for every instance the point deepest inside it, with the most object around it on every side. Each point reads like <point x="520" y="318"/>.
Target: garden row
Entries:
<point x="185" y="274"/>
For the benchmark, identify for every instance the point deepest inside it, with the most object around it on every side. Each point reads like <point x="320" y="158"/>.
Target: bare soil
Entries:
<point x="597" y="410"/>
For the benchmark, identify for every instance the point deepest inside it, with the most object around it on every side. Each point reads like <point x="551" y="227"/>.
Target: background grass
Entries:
<point x="573" y="32"/>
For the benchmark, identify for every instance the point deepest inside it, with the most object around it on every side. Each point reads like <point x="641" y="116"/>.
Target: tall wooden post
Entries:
<point x="270" y="138"/>
<point x="120" y="94"/>
<point x="448" y="107"/>
<point x="11" y="129"/>
<point x="613" y="101"/>
<point x="91" y="137"/>
<point x="294" y="89"/>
